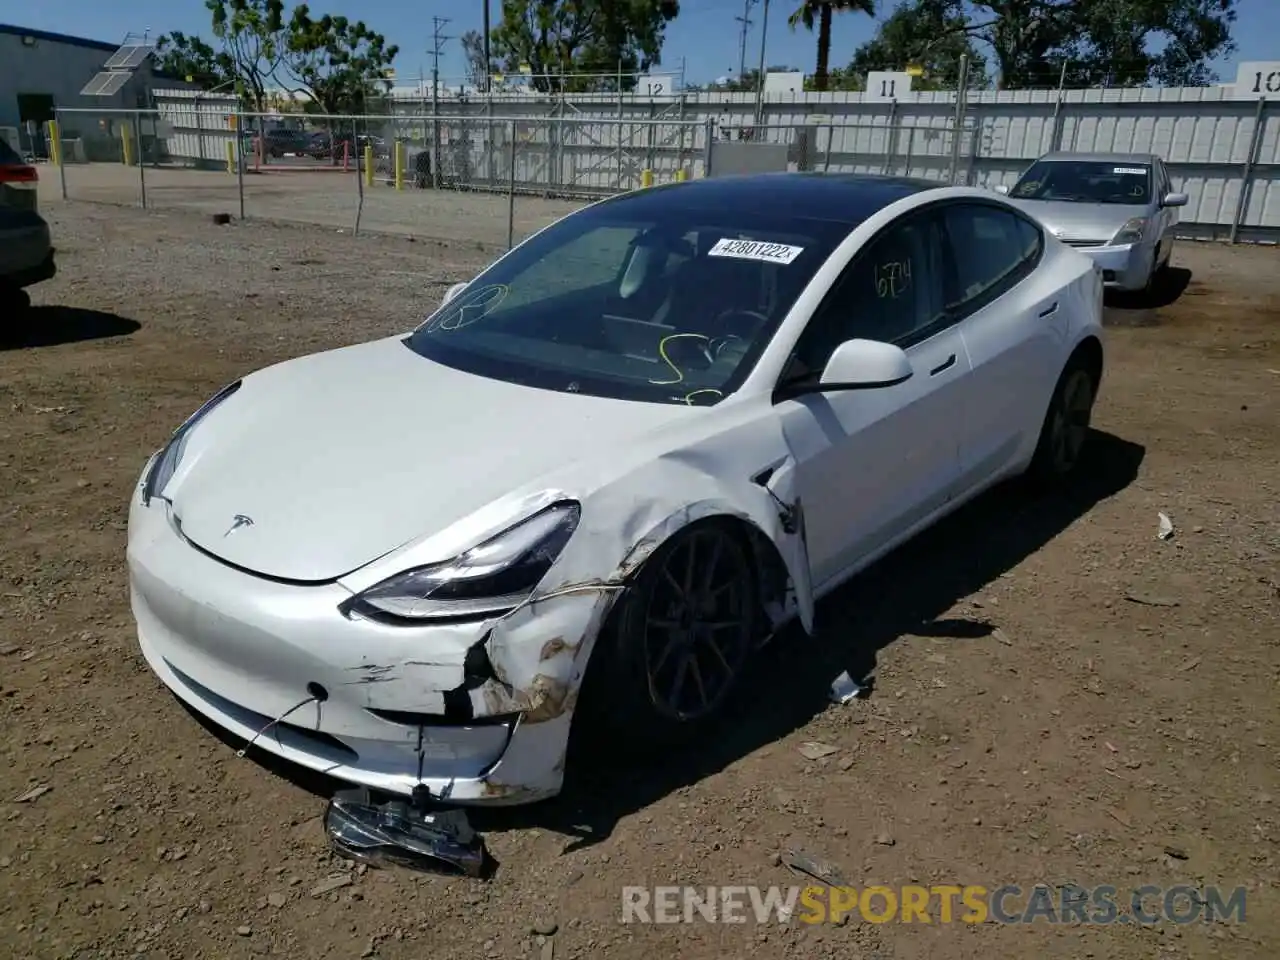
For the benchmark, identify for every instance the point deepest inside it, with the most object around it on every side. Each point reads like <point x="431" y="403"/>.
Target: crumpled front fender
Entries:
<point x="539" y="651"/>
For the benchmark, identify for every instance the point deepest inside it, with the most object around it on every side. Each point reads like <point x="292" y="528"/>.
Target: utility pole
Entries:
<point x="746" y="22"/>
<point x="764" y="35"/>
<point x="488" y="63"/>
<point x="438" y="41"/>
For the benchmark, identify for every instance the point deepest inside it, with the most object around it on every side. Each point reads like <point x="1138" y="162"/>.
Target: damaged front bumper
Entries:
<point x="478" y="712"/>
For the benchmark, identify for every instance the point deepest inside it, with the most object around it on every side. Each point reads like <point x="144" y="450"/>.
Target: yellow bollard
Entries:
<point x="126" y="145"/>
<point x="646" y="178"/>
<point x="55" y="143"/>
<point x="400" y="164"/>
<point x="231" y="157"/>
<point x="368" y="165"/>
<point x="682" y="175"/>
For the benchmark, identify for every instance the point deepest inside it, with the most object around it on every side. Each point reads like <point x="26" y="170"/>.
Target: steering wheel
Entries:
<point x="717" y="346"/>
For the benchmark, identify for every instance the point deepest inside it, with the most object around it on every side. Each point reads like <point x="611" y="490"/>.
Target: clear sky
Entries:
<point x="705" y="37"/>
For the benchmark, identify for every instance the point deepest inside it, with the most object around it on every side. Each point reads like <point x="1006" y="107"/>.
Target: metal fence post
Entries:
<point x="142" y="165"/>
<point x="1246" y="178"/>
<point x="710" y="128"/>
<point x="893" y="134"/>
<point x="355" y="139"/>
<point x="961" y="98"/>
<point x="62" y="160"/>
<point x="240" y="158"/>
<point x="511" y="192"/>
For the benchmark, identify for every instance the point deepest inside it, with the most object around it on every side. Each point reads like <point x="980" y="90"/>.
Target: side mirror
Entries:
<point x="1002" y="190"/>
<point x="865" y="365"/>
<point x="1174" y="200"/>
<point x="452" y="292"/>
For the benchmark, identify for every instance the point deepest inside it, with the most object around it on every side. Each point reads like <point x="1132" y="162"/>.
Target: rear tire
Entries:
<point x="1066" y="425"/>
<point x="676" y="644"/>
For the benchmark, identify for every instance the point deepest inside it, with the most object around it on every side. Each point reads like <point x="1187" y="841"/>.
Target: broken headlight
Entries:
<point x="166" y="462"/>
<point x="487" y="580"/>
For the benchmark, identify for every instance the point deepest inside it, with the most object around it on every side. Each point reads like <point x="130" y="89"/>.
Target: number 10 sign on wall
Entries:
<point x="887" y="85"/>
<point x="1258" y="79"/>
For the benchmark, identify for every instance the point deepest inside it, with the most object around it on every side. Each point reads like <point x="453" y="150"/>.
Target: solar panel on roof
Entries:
<point x="114" y="84"/>
<point x="91" y="88"/>
<point x="106" y="84"/>
<point x="137" y="58"/>
<point x="118" y="59"/>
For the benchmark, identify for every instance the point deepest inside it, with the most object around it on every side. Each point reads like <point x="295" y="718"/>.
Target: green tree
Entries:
<point x="819" y="13"/>
<point x="1036" y="43"/>
<point x="195" y="61"/>
<point x="473" y="50"/>
<point x="928" y="35"/>
<point x="750" y="79"/>
<point x="563" y="37"/>
<point x="252" y="36"/>
<point x="339" y="64"/>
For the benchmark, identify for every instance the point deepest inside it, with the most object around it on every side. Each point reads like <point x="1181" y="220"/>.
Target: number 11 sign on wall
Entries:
<point x="1258" y="79"/>
<point x="887" y="85"/>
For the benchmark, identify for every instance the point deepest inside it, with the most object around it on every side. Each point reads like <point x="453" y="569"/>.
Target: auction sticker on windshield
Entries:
<point x="755" y="250"/>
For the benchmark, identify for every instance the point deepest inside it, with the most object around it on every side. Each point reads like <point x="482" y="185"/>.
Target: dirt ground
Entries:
<point x="1119" y="725"/>
<point x="324" y="198"/>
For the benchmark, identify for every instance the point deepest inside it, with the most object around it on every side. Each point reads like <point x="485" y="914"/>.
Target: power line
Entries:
<point x="438" y="40"/>
<point x="746" y="22"/>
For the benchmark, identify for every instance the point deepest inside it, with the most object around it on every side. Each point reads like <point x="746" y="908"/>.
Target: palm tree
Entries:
<point x="820" y="11"/>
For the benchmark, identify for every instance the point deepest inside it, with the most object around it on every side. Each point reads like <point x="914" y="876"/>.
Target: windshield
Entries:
<point x="1086" y="181"/>
<point x="674" y="306"/>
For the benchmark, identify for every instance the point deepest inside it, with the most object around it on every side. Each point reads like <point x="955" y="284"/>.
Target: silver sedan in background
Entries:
<point x="1118" y="208"/>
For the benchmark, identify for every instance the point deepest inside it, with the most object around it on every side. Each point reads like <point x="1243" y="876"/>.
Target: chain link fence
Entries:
<point x="490" y="180"/>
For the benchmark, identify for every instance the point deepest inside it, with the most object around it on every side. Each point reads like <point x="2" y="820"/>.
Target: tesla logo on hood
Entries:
<point x="238" y="521"/>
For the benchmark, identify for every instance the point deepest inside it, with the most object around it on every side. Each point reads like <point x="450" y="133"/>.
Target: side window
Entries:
<point x="892" y="292"/>
<point x="1031" y="237"/>
<point x="990" y="248"/>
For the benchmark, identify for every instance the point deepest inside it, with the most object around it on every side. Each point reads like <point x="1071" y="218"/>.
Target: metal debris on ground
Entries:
<point x="1149" y="601"/>
<point x="417" y="833"/>
<point x="815" y="867"/>
<point x="844" y="688"/>
<point x="34" y="793"/>
<point x="1165" y="530"/>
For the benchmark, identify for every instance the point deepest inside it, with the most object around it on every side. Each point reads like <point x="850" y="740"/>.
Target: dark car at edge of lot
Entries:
<point x="26" y="248"/>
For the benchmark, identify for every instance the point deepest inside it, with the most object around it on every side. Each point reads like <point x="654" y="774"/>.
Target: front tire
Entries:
<point x="678" y="642"/>
<point x="1066" y="425"/>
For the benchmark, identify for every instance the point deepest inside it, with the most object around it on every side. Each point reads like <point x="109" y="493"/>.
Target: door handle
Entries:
<point x="945" y="365"/>
<point x="1050" y="310"/>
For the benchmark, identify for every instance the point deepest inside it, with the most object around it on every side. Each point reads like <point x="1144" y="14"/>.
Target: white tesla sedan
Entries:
<point x="612" y="464"/>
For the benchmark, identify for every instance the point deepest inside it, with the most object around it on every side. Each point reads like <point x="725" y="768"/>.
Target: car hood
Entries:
<point x="1081" y="221"/>
<point x="342" y="457"/>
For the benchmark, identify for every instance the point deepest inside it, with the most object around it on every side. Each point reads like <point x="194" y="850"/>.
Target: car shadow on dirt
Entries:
<point x="908" y="592"/>
<point x="1139" y="309"/>
<point x="51" y="326"/>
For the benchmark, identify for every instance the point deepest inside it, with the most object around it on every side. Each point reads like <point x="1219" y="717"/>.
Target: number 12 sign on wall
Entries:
<point x="1258" y="79"/>
<point x="887" y="85"/>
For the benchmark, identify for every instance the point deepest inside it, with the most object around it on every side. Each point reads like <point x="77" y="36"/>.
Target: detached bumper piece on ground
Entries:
<point x="401" y="833"/>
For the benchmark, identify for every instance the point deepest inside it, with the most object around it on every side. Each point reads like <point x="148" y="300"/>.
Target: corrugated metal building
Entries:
<point x="40" y="70"/>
